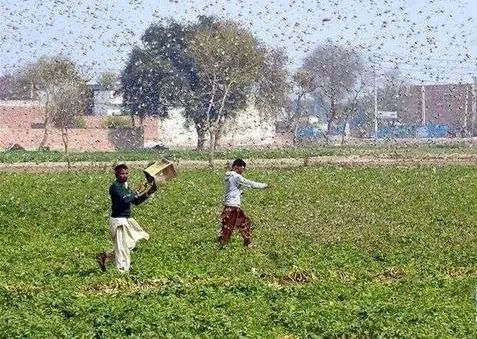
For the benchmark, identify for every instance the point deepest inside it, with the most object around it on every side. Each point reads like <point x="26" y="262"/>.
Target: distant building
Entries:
<point x="387" y="115"/>
<point x="453" y="105"/>
<point x="107" y="101"/>
<point x="9" y="91"/>
<point x="246" y="130"/>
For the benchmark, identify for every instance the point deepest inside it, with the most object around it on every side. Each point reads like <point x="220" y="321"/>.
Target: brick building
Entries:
<point x="449" y="104"/>
<point x="21" y="122"/>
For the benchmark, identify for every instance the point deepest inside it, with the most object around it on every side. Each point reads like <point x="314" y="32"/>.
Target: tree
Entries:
<point x="356" y="98"/>
<point x="160" y="75"/>
<point x="303" y="85"/>
<point x="209" y="69"/>
<point x="334" y="70"/>
<point x="69" y="102"/>
<point x="392" y="92"/>
<point x="108" y="80"/>
<point x="233" y="64"/>
<point x="50" y="76"/>
<point x="273" y="87"/>
<point x="156" y="73"/>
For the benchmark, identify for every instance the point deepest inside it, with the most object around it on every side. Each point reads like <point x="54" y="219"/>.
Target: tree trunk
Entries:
<point x="211" y="147"/>
<point x="41" y="147"/>
<point x="201" y="138"/>
<point x="218" y="134"/>
<point x="219" y="131"/>
<point x="210" y="127"/>
<point x="295" y="135"/>
<point x="343" y="134"/>
<point x="329" y="122"/>
<point x="45" y="130"/>
<point x="295" y="119"/>
<point x="219" y="123"/>
<point x="330" y="119"/>
<point x="64" y="137"/>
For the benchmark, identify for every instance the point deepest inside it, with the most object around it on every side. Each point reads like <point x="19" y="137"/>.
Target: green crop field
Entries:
<point x="388" y="150"/>
<point x="365" y="252"/>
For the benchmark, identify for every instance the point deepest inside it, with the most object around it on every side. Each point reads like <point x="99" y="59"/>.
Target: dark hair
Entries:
<point x="120" y="167"/>
<point x="239" y="162"/>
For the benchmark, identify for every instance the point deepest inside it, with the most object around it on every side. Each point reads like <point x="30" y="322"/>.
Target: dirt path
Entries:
<point x="346" y="161"/>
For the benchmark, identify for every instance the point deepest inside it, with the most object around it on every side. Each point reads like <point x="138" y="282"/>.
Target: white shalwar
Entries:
<point x="125" y="232"/>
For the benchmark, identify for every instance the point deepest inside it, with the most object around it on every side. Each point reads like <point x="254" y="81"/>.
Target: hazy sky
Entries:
<point x="429" y="40"/>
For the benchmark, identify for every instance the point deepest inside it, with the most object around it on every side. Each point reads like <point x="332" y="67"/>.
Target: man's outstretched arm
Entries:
<point x="251" y="184"/>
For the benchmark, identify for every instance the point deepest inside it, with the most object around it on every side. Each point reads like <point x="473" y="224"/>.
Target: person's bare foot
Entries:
<point x="101" y="260"/>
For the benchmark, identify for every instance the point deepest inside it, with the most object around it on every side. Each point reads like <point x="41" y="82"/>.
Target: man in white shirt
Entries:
<point x="233" y="216"/>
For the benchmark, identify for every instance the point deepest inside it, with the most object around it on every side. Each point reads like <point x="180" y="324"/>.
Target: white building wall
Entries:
<point x="106" y="103"/>
<point x="246" y="130"/>
<point x="173" y="133"/>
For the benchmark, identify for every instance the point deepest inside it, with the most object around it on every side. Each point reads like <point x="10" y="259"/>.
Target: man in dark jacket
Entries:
<point x="124" y="230"/>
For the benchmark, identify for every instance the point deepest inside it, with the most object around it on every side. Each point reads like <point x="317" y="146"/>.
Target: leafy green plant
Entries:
<point x="357" y="252"/>
<point x="416" y="152"/>
<point x="117" y="122"/>
<point x="78" y="122"/>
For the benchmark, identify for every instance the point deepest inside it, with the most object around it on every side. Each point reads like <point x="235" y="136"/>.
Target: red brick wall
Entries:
<point x="445" y="104"/>
<point x="151" y="130"/>
<point x="16" y="127"/>
<point x="19" y="117"/>
<point x="79" y="139"/>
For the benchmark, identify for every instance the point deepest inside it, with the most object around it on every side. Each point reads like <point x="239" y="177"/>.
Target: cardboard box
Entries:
<point x="160" y="171"/>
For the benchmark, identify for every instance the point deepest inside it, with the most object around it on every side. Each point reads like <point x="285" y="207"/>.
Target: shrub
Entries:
<point x="78" y="122"/>
<point x="117" y="122"/>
